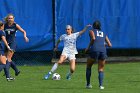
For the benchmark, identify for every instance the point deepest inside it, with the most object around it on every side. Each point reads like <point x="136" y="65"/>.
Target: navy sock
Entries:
<point x="6" y="69"/>
<point x="13" y="65"/>
<point x="88" y="75"/>
<point x="2" y="66"/>
<point x="100" y="77"/>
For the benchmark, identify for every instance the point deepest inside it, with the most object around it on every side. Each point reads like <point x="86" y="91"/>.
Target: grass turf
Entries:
<point x="119" y="78"/>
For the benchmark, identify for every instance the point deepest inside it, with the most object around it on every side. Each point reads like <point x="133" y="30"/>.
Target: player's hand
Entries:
<point x="89" y="25"/>
<point x="26" y="39"/>
<point x="11" y="50"/>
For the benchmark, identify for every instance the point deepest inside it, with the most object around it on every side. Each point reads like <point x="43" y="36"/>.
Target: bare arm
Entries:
<point x="86" y="27"/>
<point x="57" y="43"/>
<point x="5" y="42"/>
<point x="108" y="41"/>
<point x="92" y="38"/>
<point x="23" y="31"/>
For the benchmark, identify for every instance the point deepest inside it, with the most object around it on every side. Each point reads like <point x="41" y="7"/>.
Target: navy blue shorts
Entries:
<point x="98" y="55"/>
<point x="12" y="46"/>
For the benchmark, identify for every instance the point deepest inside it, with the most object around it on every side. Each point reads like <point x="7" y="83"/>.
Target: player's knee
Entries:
<point x="101" y="69"/>
<point x="59" y="62"/>
<point x="89" y="64"/>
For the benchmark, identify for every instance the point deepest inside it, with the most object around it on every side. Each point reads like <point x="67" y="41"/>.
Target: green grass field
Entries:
<point x="119" y="78"/>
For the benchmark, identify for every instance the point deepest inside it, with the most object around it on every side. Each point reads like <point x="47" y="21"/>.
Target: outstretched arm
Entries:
<point x="86" y="27"/>
<point x="23" y="31"/>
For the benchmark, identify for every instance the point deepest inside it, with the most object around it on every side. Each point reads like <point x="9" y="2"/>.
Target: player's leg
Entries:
<point x="6" y="69"/>
<point x="3" y="62"/>
<point x="9" y="58"/>
<point x="13" y="65"/>
<point x="2" y="66"/>
<point x="8" y="55"/>
<point x="61" y="60"/>
<point x="71" y="58"/>
<point x="72" y="69"/>
<point x="7" y="66"/>
<point x="55" y="66"/>
<point x="101" y="64"/>
<point x="88" y="71"/>
<point x="92" y="58"/>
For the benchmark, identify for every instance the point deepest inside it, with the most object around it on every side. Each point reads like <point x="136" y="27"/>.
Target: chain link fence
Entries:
<point x="47" y="57"/>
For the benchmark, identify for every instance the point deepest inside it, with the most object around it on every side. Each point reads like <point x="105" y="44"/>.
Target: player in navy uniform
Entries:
<point x="2" y="56"/>
<point x="97" y="47"/>
<point x="10" y="29"/>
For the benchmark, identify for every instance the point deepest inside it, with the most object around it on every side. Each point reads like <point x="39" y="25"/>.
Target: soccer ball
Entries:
<point x="56" y="76"/>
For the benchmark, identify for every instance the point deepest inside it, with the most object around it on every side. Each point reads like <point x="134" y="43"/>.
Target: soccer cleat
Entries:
<point x="47" y="76"/>
<point x="101" y="87"/>
<point x="10" y="79"/>
<point x="68" y="77"/>
<point x="17" y="73"/>
<point x="89" y="86"/>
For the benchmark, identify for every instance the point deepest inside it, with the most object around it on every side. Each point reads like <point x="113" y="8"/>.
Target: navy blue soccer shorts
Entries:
<point x="12" y="46"/>
<point x="98" y="55"/>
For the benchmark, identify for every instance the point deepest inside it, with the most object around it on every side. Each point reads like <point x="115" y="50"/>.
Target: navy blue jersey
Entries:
<point x="99" y="43"/>
<point x="10" y="32"/>
<point x="1" y="43"/>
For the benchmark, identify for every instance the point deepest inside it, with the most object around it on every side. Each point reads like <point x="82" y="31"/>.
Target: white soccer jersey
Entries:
<point x="70" y="43"/>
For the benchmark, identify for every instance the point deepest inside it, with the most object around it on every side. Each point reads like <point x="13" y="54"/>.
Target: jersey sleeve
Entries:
<point x="2" y="34"/>
<point x="62" y="37"/>
<point x="76" y="34"/>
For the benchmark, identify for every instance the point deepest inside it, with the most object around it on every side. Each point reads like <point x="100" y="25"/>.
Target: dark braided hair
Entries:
<point x="97" y="25"/>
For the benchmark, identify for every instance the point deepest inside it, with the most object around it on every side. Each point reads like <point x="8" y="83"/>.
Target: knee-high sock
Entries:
<point x="54" y="67"/>
<point x="6" y="69"/>
<point x="13" y="65"/>
<point x="100" y="77"/>
<point x="2" y="66"/>
<point x="88" y="75"/>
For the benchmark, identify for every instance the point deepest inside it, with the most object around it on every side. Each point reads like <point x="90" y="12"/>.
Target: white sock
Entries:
<point x="54" y="67"/>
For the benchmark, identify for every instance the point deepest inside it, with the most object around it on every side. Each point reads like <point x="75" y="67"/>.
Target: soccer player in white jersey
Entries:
<point x="69" y="50"/>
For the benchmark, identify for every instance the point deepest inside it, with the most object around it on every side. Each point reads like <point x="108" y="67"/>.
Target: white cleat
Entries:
<point x="10" y="79"/>
<point x="101" y="87"/>
<point x="89" y="86"/>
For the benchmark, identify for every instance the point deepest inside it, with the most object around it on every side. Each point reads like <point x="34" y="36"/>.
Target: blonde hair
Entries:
<point x="6" y="18"/>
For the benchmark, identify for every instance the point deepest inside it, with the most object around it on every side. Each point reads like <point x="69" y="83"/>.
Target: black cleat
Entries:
<point x="17" y="73"/>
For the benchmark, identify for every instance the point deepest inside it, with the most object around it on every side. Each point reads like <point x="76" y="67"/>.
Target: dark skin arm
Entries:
<point x="92" y="38"/>
<point x="108" y="43"/>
